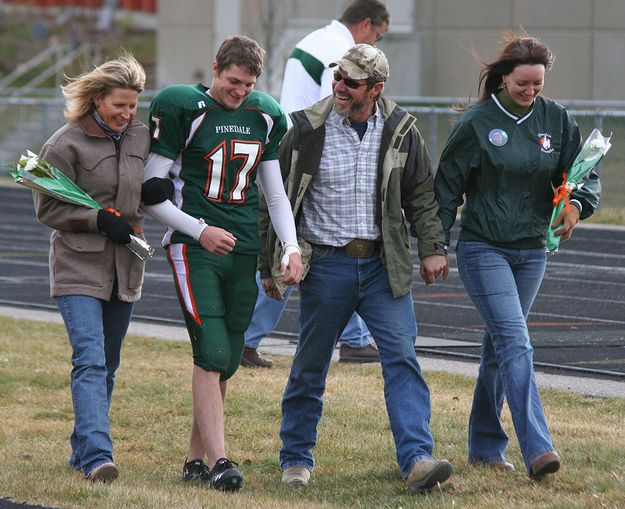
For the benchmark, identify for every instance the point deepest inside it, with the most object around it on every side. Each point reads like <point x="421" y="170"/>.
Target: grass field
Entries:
<point x="355" y="453"/>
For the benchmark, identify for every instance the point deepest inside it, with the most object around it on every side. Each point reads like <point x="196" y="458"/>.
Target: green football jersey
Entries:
<point x="216" y="153"/>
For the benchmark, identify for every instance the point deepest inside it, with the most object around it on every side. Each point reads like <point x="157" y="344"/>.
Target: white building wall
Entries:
<point x="429" y="45"/>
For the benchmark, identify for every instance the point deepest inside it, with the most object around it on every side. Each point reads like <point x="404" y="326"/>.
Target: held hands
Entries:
<point x="114" y="227"/>
<point x="269" y="285"/>
<point x="217" y="240"/>
<point x="291" y="270"/>
<point x="432" y="267"/>
<point x="568" y="220"/>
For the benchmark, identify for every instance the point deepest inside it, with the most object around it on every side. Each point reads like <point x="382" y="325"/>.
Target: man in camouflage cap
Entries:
<point x="357" y="170"/>
<point x="364" y="61"/>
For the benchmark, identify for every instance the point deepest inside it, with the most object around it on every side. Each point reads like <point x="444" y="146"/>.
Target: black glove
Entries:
<point x="114" y="227"/>
<point x="157" y="190"/>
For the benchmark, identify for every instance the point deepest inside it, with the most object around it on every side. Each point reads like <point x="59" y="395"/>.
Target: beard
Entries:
<point x="352" y="109"/>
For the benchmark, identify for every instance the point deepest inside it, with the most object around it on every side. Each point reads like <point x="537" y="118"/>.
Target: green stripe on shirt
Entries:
<point x="313" y="66"/>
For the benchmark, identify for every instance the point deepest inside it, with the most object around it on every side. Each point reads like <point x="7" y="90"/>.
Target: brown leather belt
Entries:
<point x="357" y="248"/>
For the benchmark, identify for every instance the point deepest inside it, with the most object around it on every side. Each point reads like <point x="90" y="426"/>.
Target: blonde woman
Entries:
<point x="94" y="279"/>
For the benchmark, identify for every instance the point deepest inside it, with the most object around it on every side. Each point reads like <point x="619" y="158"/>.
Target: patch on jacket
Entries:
<point x="79" y="225"/>
<point x="545" y="143"/>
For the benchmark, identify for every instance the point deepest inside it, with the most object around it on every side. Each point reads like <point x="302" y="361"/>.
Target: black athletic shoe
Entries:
<point x="196" y="471"/>
<point x="225" y="476"/>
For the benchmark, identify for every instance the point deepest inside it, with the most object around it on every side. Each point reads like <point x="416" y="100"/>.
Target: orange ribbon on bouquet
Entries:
<point x="562" y="194"/>
<point x="113" y="211"/>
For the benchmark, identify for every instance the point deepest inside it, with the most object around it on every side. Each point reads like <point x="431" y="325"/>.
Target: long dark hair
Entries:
<point x="517" y="50"/>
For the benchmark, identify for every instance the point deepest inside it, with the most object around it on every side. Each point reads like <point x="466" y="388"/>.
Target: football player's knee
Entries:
<point x="236" y="346"/>
<point x="215" y="361"/>
<point x="229" y="372"/>
<point x="239" y="324"/>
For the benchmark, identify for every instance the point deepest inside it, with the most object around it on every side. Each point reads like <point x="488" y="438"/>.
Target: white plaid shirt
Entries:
<point x="340" y="203"/>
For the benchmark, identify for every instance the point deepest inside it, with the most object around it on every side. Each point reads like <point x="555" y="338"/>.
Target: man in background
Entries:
<point x="308" y="79"/>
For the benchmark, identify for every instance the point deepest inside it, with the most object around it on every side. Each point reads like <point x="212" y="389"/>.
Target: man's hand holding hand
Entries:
<point x="291" y="268"/>
<point x="269" y="285"/>
<point x="432" y="267"/>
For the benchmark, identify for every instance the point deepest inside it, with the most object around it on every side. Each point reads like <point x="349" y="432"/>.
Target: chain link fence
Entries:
<point x="28" y="122"/>
<point x="435" y="123"/>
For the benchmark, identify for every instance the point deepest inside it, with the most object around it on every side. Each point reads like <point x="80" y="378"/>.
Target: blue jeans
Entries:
<point x="96" y="330"/>
<point x="334" y="288"/>
<point x="268" y="311"/>
<point x="503" y="284"/>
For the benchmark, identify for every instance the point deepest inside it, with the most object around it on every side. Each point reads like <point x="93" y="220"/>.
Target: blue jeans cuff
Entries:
<point x="416" y="460"/>
<point x="284" y="466"/>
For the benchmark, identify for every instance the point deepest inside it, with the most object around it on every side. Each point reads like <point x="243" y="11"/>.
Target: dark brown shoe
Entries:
<point x="547" y="463"/>
<point x="252" y="359"/>
<point x="358" y="355"/>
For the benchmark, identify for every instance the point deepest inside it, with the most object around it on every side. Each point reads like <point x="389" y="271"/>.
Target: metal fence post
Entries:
<point x="45" y="120"/>
<point x="433" y="123"/>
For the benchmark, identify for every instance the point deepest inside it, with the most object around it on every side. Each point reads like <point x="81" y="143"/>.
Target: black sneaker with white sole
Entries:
<point x="196" y="471"/>
<point x="225" y="476"/>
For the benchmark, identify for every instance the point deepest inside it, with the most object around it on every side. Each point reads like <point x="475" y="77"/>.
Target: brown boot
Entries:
<point x="358" y="355"/>
<point x="252" y="359"/>
<point x="547" y="463"/>
<point x="426" y="474"/>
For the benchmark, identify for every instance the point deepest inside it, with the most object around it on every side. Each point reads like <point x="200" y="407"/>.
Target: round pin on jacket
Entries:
<point x="498" y="137"/>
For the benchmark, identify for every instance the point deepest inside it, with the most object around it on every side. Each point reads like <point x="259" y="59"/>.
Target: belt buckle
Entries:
<point x="359" y="248"/>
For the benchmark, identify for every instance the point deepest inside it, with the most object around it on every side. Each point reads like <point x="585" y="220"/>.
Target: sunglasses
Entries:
<point x="349" y="83"/>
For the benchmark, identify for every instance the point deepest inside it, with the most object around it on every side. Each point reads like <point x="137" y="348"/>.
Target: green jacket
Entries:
<point x="506" y="184"/>
<point x="406" y="187"/>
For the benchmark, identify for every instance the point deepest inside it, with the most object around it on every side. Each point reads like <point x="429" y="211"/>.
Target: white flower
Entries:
<point x="597" y="144"/>
<point x="31" y="167"/>
<point x="595" y="147"/>
<point x="31" y="164"/>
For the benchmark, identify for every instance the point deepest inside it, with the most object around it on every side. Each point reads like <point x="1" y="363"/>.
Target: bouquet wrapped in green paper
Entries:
<point x="593" y="149"/>
<point x="38" y="174"/>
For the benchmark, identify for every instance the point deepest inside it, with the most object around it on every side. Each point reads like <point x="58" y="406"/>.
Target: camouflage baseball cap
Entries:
<point x="364" y="61"/>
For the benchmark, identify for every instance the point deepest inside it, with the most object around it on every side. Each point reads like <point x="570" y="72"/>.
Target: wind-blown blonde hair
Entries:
<point x="81" y="92"/>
